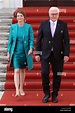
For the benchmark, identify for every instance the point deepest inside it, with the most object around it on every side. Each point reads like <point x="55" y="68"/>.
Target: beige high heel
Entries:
<point x="17" y="95"/>
<point x="22" y="93"/>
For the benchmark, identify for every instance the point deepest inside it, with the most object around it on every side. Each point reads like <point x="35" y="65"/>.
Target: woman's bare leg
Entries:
<point x="16" y="80"/>
<point x="22" y="78"/>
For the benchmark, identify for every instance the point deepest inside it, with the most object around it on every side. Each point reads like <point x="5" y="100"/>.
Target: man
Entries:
<point x="54" y="46"/>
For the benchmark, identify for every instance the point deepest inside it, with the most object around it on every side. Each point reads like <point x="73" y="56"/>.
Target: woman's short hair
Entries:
<point x="21" y="12"/>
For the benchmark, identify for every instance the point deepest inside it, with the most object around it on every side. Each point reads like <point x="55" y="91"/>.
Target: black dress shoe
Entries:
<point x="45" y="99"/>
<point x="54" y="99"/>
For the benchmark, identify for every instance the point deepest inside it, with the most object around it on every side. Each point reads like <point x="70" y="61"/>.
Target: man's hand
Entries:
<point x="66" y="58"/>
<point x="37" y="58"/>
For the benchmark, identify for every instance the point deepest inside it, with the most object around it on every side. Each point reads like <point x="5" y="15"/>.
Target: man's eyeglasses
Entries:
<point x="54" y="14"/>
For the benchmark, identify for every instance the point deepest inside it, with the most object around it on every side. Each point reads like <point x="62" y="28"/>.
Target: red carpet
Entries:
<point x="34" y="98"/>
<point x="33" y="79"/>
<point x="32" y="83"/>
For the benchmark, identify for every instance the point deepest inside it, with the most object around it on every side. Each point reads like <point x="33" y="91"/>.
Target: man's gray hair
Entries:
<point x="54" y="8"/>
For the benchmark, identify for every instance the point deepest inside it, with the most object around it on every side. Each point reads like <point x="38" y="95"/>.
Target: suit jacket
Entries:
<point x="59" y="43"/>
<point x="28" y="38"/>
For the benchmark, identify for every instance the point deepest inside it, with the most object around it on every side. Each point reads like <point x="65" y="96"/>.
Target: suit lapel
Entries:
<point x="57" y="28"/>
<point x="49" y="28"/>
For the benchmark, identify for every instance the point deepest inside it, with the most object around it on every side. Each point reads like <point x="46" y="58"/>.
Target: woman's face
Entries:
<point x="20" y="17"/>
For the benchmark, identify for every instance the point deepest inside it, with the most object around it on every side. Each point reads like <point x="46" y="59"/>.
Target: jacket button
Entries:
<point x="61" y="52"/>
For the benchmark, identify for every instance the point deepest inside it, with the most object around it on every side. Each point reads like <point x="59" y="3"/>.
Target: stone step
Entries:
<point x="3" y="66"/>
<point x="3" y="53"/>
<point x="3" y="42"/>
<point x="5" y="24"/>
<point x="2" y="34"/>
<point x="3" y="38"/>
<point x="4" y="28"/>
<point x="3" y="62"/>
<point x="5" y="46"/>
<point x="5" y="20"/>
<point x="6" y="17"/>
<point x="3" y="49"/>
<point x="2" y="77"/>
<point x="2" y="86"/>
<point x="3" y="70"/>
<point x="5" y="58"/>
<point x="7" y="10"/>
<point x="6" y="14"/>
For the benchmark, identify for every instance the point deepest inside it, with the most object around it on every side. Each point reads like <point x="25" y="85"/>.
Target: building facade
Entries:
<point x="11" y="3"/>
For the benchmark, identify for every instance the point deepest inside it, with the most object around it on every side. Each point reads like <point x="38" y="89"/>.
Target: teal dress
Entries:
<point x="19" y="58"/>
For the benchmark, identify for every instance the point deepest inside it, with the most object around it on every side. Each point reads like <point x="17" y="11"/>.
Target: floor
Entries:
<point x="34" y="99"/>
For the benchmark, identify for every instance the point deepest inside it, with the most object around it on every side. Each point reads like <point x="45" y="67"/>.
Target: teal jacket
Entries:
<point x="28" y="38"/>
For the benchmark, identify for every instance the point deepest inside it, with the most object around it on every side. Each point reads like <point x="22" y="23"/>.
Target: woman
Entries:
<point x="19" y="51"/>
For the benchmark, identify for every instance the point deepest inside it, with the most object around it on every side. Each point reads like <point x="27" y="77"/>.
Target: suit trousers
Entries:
<point x="57" y="68"/>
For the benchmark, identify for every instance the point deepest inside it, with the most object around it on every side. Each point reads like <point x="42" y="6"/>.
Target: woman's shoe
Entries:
<point x="17" y="95"/>
<point x="22" y="93"/>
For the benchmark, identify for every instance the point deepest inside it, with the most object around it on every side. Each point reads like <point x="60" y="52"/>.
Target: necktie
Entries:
<point x="52" y="29"/>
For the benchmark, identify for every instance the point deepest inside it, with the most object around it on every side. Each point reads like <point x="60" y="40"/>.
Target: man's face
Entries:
<point x="54" y="15"/>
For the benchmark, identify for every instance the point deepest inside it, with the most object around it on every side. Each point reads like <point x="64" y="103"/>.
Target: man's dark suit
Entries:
<point x="61" y="47"/>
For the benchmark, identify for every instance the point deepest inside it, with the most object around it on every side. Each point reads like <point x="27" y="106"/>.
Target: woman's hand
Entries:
<point x="30" y="52"/>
